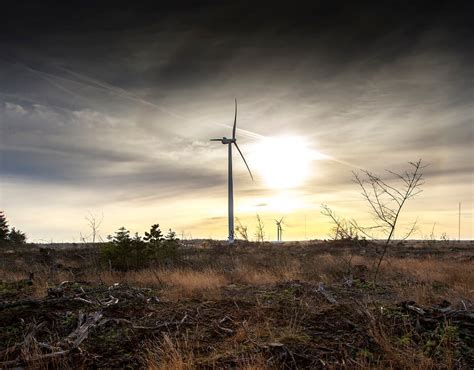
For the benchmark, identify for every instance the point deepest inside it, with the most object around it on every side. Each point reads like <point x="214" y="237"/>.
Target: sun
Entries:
<point x="283" y="162"/>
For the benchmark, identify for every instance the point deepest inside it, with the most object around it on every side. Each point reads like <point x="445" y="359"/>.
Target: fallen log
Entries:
<point x="81" y="333"/>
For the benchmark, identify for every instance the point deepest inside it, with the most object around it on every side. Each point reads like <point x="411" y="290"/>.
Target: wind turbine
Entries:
<point x="229" y="143"/>
<point x="279" y="229"/>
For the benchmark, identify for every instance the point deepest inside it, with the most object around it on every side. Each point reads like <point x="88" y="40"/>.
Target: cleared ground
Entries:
<point x="292" y="305"/>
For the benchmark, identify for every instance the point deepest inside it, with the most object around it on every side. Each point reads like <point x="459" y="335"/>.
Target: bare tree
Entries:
<point x="386" y="202"/>
<point x="93" y="222"/>
<point x="260" y="233"/>
<point x="343" y="229"/>
<point x="241" y="230"/>
<point x="94" y="225"/>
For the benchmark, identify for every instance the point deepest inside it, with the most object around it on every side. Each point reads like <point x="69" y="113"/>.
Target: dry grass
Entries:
<point x="176" y="283"/>
<point x="253" y="362"/>
<point x="252" y="275"/>
<point x="242" y="348"/>
<point x="168" y="354"/>
<point x="178" y="354"/>
<point x="193" y="284"/>
<point x="42" y="280"/>
<point x="431" y="270"/>
<point x="424" y="280"/>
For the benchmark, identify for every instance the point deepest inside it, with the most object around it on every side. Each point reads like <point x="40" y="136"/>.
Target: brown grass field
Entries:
<point x="251" y="306"/>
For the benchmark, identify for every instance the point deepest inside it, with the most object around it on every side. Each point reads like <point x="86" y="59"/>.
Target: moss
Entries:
<point x="367" y="285"/>
<point x="393" y="312"/>
<point x="405" y="340"/>
<point x="69" y="320"/>
<point x="9" y="289"/>
<point x="443" y="341"/>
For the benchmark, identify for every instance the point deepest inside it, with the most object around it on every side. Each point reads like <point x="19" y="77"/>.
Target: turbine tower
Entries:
<point x="229" y="143"/>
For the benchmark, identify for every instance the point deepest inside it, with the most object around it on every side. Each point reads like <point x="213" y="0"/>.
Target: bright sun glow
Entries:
<point x="284" y="162"/>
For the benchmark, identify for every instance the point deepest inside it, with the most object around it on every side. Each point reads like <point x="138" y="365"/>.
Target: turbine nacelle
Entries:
<point x="225" y="140"/>
<point x="228" y="141"/>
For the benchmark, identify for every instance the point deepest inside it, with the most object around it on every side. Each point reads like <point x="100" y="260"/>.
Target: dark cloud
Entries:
<point x="194" y="42"/>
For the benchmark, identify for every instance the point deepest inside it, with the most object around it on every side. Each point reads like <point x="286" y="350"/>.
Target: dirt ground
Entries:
<point x="286" y="306"/>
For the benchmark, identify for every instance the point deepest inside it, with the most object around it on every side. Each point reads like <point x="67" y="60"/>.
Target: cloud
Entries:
<point x="14" y="108"/>
<point x="130" y="102"/>
<point x="92" y="149"/>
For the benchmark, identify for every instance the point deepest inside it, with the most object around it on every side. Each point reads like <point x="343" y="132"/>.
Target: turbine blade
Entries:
<point x="235" y="120"/>
<point x="215" y="140"/>
<point x="248" y="168"/>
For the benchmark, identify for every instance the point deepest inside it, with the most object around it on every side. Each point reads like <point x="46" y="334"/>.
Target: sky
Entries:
<point x="108" y="110"/>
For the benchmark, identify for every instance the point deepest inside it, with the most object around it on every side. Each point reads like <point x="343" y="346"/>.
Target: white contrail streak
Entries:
<point x="50" y="80"/>
<point x="121" y="92"/>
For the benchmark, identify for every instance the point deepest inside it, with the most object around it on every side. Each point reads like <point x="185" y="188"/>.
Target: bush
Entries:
<point x="124" y="253"/>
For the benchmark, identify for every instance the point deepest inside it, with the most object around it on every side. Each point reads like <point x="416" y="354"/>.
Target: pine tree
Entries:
<point x="170" y="246"/>
<point x="3" y="228"/>
<point x="171" y="236"/>
<point x="16" y="236"/>
<point x="117" y="251"/>
<point x="139" y="251"/>
<point x="122" y="235"/>
<point x="155" y="235"/>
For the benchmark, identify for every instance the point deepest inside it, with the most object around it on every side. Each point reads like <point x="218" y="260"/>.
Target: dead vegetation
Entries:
<point x="262" y="306"/>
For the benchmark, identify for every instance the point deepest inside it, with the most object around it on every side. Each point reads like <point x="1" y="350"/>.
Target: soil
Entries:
<point x="290" y="325"/>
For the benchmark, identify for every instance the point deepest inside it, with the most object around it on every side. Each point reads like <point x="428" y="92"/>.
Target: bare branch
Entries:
<point x="386" y="201"/>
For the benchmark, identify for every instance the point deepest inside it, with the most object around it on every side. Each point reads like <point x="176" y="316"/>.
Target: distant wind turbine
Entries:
<point x="279" y="229"/>
<point x="229" y="143"/>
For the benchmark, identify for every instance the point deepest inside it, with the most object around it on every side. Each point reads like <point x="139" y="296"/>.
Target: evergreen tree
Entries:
<point x="121" y="236"/>
<point x="171" y="236"/>
<point x="3" y="228"/>
<point x="117" y="252"/>
<point x="16" y="237"/>
<point x="155" y="235"/>
<point x="139" y="251"/>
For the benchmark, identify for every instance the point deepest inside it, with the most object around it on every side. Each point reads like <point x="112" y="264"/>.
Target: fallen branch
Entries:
<point x="321" y="290"/>
<point x="81" y="333"/>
